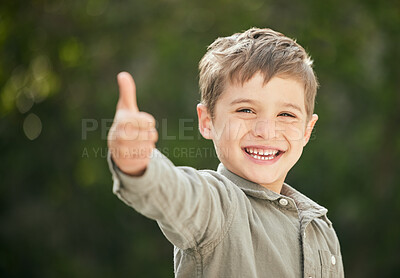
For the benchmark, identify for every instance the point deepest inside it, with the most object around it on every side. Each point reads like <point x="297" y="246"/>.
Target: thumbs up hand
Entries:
<point x="132" y="136"/>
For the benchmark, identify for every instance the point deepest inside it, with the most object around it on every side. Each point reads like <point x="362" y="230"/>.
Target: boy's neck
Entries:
<point x="277" y="188"/>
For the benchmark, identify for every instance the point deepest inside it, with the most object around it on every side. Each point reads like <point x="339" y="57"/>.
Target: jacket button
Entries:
<point x="333" y="260"/>
<point x="283" y="202"/>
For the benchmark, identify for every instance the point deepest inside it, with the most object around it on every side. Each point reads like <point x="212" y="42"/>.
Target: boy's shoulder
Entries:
<point x="307" y="208"/>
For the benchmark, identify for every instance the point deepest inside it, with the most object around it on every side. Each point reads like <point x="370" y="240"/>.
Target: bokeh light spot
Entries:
<point x="24" y="101"/>
<point x="32" y="126"/>
<point x="71" y="52"/>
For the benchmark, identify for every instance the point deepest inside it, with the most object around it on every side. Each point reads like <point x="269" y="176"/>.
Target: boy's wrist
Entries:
<point x="137" y="173"/>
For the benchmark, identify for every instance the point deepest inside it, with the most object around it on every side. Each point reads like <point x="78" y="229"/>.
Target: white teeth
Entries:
<point x="271" y="152"/>
<point x="262" y="154"/>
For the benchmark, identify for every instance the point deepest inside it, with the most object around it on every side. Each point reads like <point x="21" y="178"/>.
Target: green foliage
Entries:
<point x="58" y="66"/>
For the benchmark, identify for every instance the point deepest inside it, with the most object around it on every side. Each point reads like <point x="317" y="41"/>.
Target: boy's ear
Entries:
<point x="204" y="121"/>
<point x="309" y="128"/>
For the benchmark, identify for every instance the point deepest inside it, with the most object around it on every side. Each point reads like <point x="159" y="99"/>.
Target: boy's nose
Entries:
<point x="265" y="129"/>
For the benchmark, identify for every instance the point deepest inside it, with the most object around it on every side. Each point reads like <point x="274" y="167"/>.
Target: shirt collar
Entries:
<point x="305" y="205"/>
<point x="250" y="188"/>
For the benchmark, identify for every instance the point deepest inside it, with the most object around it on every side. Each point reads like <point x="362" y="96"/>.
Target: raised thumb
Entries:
<point x="127" y="92"/>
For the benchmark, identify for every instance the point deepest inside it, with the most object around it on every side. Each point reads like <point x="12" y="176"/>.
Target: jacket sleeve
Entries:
<point x="193" y="208"/>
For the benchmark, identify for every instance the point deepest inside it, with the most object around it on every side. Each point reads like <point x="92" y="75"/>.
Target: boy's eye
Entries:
<point x="286" y="115"/>
<point x="245" y="110"/>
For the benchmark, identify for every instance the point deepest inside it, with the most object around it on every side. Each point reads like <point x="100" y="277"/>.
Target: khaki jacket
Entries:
<point x="225" y="226"/>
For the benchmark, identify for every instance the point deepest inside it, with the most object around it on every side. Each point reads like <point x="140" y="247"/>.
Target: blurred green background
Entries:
<point x="58" y="91"/>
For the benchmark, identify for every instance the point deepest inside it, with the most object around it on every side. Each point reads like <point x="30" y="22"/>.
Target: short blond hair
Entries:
<point x="239" y="57"/>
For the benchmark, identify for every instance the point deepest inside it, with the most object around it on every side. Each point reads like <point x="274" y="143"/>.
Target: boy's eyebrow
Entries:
<point x="243" y="100"/>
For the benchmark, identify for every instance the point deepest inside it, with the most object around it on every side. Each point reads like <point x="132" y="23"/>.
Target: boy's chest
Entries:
<point x="284" y="242"/>
<point x="265" y="239"/>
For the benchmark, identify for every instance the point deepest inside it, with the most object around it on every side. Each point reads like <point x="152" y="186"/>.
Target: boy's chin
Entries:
<point x="261" y="179"/>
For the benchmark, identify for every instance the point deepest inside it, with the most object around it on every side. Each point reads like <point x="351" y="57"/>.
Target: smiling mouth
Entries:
<point x="263" y="154"/>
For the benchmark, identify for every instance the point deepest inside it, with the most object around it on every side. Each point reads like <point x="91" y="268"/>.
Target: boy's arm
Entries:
<point x="191" y="207"/>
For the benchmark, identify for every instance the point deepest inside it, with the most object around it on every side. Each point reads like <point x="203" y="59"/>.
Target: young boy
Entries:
<point x="257" y="100"/>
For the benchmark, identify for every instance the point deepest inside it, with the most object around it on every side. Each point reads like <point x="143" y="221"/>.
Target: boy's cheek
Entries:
<point x="292" y="132"/>
<point x="227" y="131"/>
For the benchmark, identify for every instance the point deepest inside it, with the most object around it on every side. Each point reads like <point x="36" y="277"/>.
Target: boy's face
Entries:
<point x="259" y="131"/>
